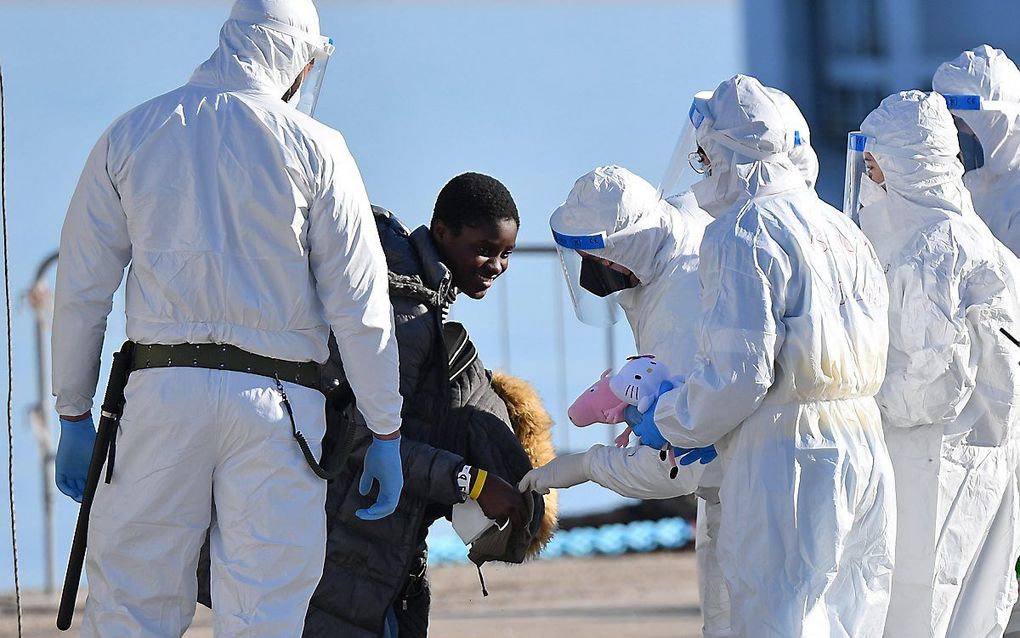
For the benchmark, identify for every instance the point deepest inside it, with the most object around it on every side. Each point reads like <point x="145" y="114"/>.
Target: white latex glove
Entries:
<point x="563" y="471"/>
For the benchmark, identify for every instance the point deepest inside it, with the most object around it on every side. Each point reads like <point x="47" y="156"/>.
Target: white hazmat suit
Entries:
<point x="994" y="187"/>
<point x="952" y="382"/>
<point x="715" y="600"/>
<point x="247" y="223"/>
<point x="659" y="244"/>
<point x="792" y="342"/>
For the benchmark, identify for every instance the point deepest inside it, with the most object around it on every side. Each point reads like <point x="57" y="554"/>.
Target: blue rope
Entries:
<point x="608" y="540"/>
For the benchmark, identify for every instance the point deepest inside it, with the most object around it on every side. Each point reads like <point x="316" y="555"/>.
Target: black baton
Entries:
<point x="1010" y="337"/>
<point x="113" y="406"/>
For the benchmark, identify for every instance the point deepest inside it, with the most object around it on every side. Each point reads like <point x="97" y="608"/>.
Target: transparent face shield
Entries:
<point x="972" y="154"/>
<point x="686" y="166"/>
<point x="306" y="97"/>
<point x="592" y="286"/>
<point x="859" y="165"/>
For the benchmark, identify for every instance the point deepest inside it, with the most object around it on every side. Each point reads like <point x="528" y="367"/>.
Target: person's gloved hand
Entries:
<point x="643" y="423"/>
<point x="563" y="471"/>
<point x="497" y="498"/>
<point x="632" y="415"/>
<point x="74" y="453"/>
<point x="647" y="431"/>
<point x="691" y="455"/>
<point x="382" y="463"/>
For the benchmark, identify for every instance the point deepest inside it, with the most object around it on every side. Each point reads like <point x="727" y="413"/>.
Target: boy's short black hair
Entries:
<point x="473" y="199"/>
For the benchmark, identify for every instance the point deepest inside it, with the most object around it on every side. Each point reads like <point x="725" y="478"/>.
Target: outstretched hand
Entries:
<point x="563" y="471"/>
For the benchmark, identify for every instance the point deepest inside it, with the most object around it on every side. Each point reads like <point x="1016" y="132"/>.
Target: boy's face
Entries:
<point x="477" y="254"/>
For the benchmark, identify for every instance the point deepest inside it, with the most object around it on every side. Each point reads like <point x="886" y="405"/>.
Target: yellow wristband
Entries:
<point x="476" y="489"/>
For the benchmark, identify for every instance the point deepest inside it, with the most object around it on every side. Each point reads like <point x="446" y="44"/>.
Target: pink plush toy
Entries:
<point x="599" y="404"/>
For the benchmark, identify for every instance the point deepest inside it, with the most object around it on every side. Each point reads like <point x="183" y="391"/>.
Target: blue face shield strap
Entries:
<point x="975" y="103"/>
<point x="963" y="102"/>
<point x="580" y="242"/>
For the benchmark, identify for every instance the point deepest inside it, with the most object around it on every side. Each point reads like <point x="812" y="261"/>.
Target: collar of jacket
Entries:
<point x="434" y="273"/>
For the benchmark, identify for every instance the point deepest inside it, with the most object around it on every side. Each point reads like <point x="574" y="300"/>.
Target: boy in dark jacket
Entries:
<point x="457" y="437"/>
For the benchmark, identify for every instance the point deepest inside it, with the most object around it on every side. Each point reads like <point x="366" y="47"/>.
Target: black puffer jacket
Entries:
<point x="446" y="424"/>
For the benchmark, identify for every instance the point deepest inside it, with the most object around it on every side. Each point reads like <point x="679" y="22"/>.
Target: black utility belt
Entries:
<point x="214" y="356"/>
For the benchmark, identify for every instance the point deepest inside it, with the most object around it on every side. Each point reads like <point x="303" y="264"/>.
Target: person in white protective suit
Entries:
<point x="792" y="342"/>
<point x="982" y="87"/>
<point x="657" y="245"/>
<point x="949" y="400"/>
<point x="247" y="226"/>
<point x="715" y="600"/>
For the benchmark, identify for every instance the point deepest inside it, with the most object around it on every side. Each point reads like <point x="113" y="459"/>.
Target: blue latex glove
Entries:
<point x="644" y="423"/>
<point x="691" y="455"/>
<point x="382" y="463"/>
<point x="74" y="453"/>
<point x="648" y="432"/>
<point x="632" y="416"/>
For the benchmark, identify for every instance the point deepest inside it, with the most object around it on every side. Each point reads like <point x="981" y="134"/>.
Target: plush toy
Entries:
<point x="597" y="404"/>
<point x="638" y="383"/>
<point x="639" y="380"/>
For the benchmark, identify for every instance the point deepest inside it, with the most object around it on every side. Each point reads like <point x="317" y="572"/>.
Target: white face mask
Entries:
<point x="706" y="192"/>
<point x="871" y="192"/>
<point x="873" y="217"/>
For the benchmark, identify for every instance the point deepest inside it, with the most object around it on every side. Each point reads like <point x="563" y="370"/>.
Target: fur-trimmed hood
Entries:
<point x="533" y="427"/>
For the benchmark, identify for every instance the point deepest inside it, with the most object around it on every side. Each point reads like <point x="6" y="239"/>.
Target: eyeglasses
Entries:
<point x="697" y="162"/>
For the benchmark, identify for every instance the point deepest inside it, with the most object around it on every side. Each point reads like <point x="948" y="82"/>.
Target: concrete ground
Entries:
<point x="647" y="595"/>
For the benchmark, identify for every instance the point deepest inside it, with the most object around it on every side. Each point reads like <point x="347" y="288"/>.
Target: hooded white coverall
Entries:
<point x="247" y="223"/>
<point x="994" y="187"/>
<point x="658" y="242"/>
<point x="715" y="599"/>
<point x="792" y="342"/>
<point x="949" y="401"/>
